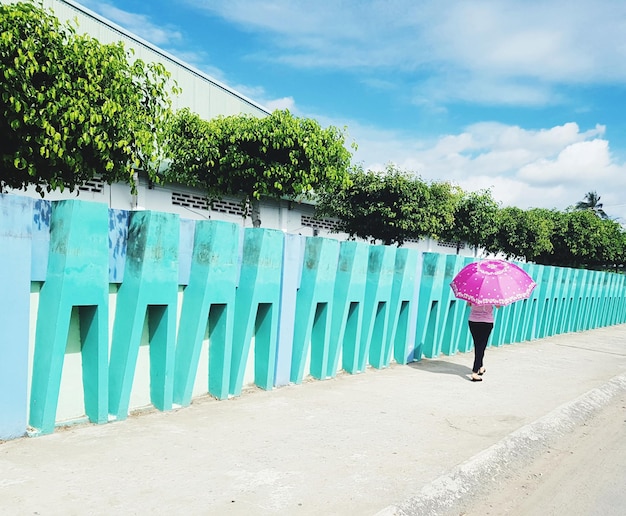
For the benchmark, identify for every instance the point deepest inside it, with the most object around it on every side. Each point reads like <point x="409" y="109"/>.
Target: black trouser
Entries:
<point x="480" y="333"/>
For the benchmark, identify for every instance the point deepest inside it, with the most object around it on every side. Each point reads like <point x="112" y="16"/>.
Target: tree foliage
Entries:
<point x="592" y="203"/>
<point x="582" y="239"/>
<point x="396" y="206"/>
<point x="71" y="107"/>
<point x="521" y="234"/>
<point x="474" y="219"/>
<point x="577" y="239"/>
<point x="392" y="206"/>
<point x="279" y="156"/>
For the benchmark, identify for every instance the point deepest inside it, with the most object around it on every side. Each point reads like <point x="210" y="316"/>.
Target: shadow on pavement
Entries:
<point x="442" y="367"/>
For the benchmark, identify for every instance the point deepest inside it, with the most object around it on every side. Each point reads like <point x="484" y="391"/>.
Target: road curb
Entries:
<point x="445" y="494"/>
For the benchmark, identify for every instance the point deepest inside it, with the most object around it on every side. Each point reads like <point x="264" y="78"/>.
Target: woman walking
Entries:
<point x="480" y="324"/>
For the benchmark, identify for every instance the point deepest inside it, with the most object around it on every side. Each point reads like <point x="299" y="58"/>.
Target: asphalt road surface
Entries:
<point x="584" y="474"/>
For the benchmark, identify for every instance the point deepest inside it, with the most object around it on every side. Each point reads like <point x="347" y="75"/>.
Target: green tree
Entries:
<point x="578" y="240"/>
<point x="392" y="206"/>
<point x="71" y="107"/>
<point x="278" y="156"/>
<point x="610" y="253"/>
<point x="474" y="221"/>
<point x="592" y="202"/>
<point x="522" y="234"/>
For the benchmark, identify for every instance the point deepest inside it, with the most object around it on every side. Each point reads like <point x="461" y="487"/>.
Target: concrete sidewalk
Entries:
<point x="404" y="440"/>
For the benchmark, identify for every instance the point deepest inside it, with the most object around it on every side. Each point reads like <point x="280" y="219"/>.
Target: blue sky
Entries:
<point x="527" y="98"/>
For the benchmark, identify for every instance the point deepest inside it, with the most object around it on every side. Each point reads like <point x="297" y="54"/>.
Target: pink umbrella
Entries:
<point x="492" y="282"/>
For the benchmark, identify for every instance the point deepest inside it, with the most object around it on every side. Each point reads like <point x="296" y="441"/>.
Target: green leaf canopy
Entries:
<point x="279" y="156"/>
<point x="70" y="107"/>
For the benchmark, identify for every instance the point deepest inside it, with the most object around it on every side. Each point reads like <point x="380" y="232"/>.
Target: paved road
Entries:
<point x="582" y="474"/>
<point x="355" y="445"/>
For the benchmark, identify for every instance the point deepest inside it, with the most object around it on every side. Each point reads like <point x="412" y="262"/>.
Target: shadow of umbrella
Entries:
<point x="441" y="367"/>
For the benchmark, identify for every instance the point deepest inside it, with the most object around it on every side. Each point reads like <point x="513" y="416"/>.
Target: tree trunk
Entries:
<point x="255" y="213"/>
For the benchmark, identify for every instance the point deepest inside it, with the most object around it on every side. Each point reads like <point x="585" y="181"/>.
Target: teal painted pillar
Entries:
<point x="568" y="289"/>
<point x="401" y="305"/>
<point x="314" y="308"/>
<point x="209" y="298"/>
<point x="380" y="272"/>
<point x="454" y="320"/>
<point x="545" y="301"/>
<point x="347" y="314"/>
<point x="428" y="304"/>
<point x="501" y="320"/>
<point x="511" y="317"/>
<point x="559" y="301"/>
<point x="441" y="319"/>
<point x="78" y="275"/>
<point x="448" y="308"/>
<point x="586" y="301"/>
<point x="607" y="297"/>
<point x="507" y="321"/>
<point x="620" y="309"/>
<point x="16" y="218"/>
<point x="464" y="342"/>
<point x="605" y="308"/>
<point x="597" y="298"/>
<point x="529" y="315"/>
<point x="577" y="294"/>
<point x="614" y="295"/>
<point x="256" y="307"/>
<point x="589" y="300"/>
<point x="149" y="289"/>
<point x="519" y="323"/>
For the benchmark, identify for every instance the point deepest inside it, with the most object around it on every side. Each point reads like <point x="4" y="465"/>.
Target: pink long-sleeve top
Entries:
<point x="481" y="313"/>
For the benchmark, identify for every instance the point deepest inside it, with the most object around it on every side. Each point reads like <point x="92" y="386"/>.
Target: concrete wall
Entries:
<point x="106" y="311"/>
<point x="190" y="203"/>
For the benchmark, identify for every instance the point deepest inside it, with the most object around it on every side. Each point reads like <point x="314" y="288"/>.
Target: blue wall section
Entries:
<point x="118" y="238"/>
<point x="42" y="211"/>
<point x="294" y="300"/>
<point x="291" y="275"/>
<point x="185" y="251"/>
<point x="16" y="217"/>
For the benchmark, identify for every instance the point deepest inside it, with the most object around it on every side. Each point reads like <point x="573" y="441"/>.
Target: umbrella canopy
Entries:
<point x="492" y="282"/>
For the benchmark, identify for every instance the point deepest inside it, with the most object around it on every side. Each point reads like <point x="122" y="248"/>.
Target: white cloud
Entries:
<point x="546" y="168"/>
<point x="502" y="53"/>
<point x="575" y="163"/>
<point x="508" y="51"/>
<point x="138" y="24"/>
<point x="284" y="103"/>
